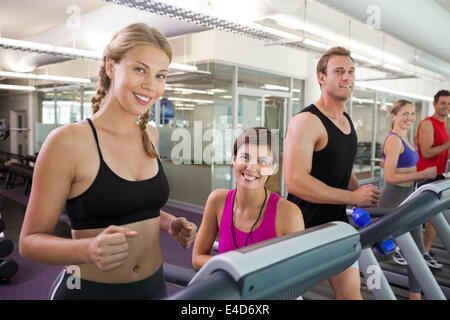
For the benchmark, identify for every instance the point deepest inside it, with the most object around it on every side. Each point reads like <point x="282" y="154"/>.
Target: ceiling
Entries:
<point x="47" y="21"/>
<point x="24" y="18"/>
<point x="423" y="24"/>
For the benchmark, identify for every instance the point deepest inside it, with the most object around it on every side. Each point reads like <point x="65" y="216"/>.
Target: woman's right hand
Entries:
<point x="429" y="173"/>
<point x="109" y="249"/>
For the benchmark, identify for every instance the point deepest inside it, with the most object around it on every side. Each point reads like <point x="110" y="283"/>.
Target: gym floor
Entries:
<point x="33" y="280"/>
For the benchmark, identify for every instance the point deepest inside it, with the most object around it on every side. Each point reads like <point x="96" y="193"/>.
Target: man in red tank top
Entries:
<point x="433" y="144"/>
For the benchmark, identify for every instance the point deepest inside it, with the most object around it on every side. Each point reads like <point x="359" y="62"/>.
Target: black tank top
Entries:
<point x="333" y="166"/>
<point x="112" y="200"/>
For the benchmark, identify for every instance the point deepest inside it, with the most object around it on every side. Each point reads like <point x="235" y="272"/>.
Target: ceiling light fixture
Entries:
<point x="392" y="91"/>
<point x="21" y="45"/>
<point x="31" y="76"/>
<point x="391" y="67"/>
<point x="296" y="24"/>
<point x="275" y="87"/>
<point x="182" y="67"/>
<point x="15" y="87"/>
<point x="189" y="90"/>
<point x="14" y="44"/>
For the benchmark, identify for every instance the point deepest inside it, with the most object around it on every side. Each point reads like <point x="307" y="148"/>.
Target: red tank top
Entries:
<point x="440" y="137"/>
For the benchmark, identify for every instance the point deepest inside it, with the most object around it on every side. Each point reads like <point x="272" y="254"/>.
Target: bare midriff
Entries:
<point x="144" y="254"/>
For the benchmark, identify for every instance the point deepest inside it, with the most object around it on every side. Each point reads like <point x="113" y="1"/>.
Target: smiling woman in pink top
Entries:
<point x="250" y="213"/>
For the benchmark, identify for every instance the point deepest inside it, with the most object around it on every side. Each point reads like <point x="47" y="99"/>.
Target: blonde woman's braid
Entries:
<point x="148" y="145"/>
<point x="103" y="86"/>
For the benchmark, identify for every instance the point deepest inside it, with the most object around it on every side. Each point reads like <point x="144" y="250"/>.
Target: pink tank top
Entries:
<point x="266" y="230"/>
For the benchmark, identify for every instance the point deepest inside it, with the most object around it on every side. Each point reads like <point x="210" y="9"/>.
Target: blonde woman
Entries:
<point x="399" y="164"/>
<point x="107" y="172"/>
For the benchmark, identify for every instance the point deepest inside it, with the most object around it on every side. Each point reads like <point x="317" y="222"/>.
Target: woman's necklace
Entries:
<point x="251" y="230"/>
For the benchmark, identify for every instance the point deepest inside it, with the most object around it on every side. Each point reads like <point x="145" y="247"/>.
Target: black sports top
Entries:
<point x="333" y="166"/>
<point x="112" y="200"/>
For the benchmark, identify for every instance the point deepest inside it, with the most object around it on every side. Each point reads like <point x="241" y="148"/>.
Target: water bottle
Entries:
<point x="362" y="218"/>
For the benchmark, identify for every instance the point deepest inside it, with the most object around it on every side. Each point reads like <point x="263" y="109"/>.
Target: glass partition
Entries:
<point x="297" y="96"/>
<point x="370" y="142"/>
<point x="362" y="117"/>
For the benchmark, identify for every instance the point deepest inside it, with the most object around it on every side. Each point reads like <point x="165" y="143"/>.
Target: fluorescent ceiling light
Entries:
<point x="182" y="67"/>
<point x="362" y="101"/>
<point x="391" y="67"/>
<point x="190" y="100"/>
<point x="31" y="76"/>
<point x="47" y="48"/>
<point x="392" y="91"/>
<point x="316" y="44"/>
<point x="296" y="24"/>
<point x="366" y="59"/>
<point x="68" y="103"/>
<point x="179" y="99"/>
<point x="275" y="87"/>
<point x="202" y="101"/>
<point x="189" y="90"/>
<point x="71" y="52"/>
<point x="15" y="87"/>
<point x="279" y="33"/>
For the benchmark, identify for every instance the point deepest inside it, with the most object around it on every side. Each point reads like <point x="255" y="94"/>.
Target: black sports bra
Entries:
<point x="112" y="200"/>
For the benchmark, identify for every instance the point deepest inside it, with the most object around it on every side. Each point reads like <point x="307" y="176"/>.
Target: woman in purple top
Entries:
<point x="250" y="213"/>
<point x="399" y="164"/>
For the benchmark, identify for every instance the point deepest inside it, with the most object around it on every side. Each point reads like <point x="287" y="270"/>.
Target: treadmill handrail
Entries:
<point x="418" y="209"/>
<point x="235" y="262"/>
<point x="280" y="268"/>
<point x="208" y="288"/>
<point x="178" y="274"/>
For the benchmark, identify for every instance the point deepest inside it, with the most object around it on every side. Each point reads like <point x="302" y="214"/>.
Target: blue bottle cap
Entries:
<point x="388" y="245"/>
<point x="361" y="217"/>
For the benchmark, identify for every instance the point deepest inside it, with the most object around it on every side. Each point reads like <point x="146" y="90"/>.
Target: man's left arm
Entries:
<point x="353" y="184"/>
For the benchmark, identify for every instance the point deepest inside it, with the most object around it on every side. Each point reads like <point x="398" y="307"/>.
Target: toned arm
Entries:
<point x="289" y="218"/>
<point x="52" y="179"/>
<point x="209" y="228"/>
<point x="353" y="184"/>
<point x="426" y="139"/>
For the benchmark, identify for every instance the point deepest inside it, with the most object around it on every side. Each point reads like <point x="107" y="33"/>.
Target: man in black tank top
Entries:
<point x="319" y="153"/>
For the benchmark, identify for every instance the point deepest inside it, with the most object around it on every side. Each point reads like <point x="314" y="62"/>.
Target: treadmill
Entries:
<point x="426" y="203"/>
<point x="279" y="268"/>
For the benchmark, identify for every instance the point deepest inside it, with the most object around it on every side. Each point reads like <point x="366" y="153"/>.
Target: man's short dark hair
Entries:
<point x="441" y="93"/>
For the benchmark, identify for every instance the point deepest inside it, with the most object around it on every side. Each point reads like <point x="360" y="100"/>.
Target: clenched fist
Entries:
<point x="109" y="249"/>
